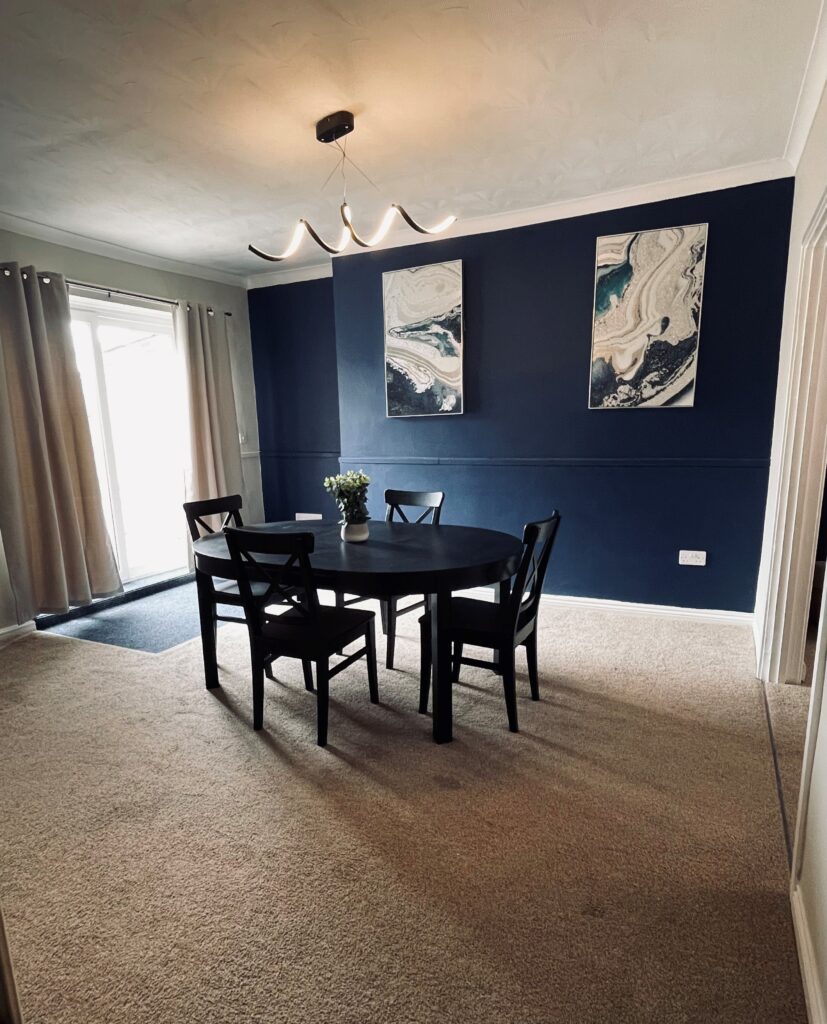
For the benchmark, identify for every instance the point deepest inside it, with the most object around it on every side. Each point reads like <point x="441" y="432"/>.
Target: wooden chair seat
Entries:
<point x="298" y="637"/>
<point x="481" y="620"/>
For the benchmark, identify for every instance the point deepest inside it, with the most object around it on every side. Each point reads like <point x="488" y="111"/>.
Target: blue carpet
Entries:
<point x="154" y="623"/>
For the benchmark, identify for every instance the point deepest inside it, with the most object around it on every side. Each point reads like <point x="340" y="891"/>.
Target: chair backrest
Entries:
<point x="251" y="552"/>
<point x="429" y="501"/>
<point x="538" y="540"/>
<point x="229" y="506"/>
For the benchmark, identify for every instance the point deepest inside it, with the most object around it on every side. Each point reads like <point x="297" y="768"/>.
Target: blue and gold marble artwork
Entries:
<point x="423" y="339"/>
<point x="647" y="318"/>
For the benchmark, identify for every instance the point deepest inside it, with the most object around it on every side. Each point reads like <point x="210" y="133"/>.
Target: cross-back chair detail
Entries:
<point x="196" y="511"/>
<point x="304" y="628"/>
<point x="430" y="502"/>
<point x="213" y="591"/>
<point x="429" y="507"/>
<point x="296" y="547"/>
<point x="501" y="627"/>
<point x="396" y="501"/>
<point x="527" y="587"/>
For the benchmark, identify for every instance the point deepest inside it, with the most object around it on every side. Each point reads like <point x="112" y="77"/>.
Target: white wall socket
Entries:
<point x="691" y="558"/>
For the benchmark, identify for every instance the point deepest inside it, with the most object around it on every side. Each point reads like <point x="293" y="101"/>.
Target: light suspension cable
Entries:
<point x="331" y="129"/>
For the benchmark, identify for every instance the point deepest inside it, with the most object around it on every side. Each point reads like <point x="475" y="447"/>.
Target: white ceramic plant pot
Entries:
<point x="354" y="533"/>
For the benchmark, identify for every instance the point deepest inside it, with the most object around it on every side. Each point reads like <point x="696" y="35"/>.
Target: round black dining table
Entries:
<point x="398" y="559"/>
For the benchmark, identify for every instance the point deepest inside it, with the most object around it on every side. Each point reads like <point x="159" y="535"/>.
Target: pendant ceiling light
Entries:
<point x="329" y="130"/>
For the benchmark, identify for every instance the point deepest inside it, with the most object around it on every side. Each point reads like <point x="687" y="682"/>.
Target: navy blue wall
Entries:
<point x="294" y="363"/>
<point x="633" y="486"/>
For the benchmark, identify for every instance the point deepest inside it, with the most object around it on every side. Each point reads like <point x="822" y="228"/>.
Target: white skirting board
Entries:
<point x="666" y="610"/>
<point x="632" y="607"/>
<point x="816" y="999"/>
<point x="9" y="633"/>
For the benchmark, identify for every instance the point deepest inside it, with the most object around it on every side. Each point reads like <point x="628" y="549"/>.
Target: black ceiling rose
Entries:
<point x="334" y="126"/>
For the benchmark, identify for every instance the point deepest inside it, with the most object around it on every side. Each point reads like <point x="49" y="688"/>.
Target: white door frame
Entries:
<point x="798" y="485"/>
<point x="807" y="956"/>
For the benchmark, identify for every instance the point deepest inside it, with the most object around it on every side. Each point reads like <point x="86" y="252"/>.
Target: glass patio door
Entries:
<point x="134" y="388"/>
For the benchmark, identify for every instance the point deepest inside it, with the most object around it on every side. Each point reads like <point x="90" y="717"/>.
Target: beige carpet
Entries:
<point x="620" y="860"/>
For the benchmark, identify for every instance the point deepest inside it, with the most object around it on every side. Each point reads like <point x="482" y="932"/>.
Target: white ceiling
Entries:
<point x="186" y="129"/>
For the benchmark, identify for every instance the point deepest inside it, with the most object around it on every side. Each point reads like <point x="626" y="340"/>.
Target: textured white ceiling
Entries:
<point x="185" y="129"/>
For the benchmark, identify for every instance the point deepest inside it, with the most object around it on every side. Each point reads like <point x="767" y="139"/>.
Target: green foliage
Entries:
<point x="350" y="492"/>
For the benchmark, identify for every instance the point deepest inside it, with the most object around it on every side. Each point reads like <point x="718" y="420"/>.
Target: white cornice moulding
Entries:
<point x="96" y="247"/>
<point x="809" y="95"/>
<point x="291" y="275"/>
<point x="636" y="195"/>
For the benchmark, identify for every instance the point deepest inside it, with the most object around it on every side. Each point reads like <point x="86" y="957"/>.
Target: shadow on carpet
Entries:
<point x="153" y="624"/>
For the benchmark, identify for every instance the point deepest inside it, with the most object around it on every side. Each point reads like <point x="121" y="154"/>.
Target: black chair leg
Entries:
<point x="531" y="659"/>
<point x="424" y="667"/>
<point x="373" y="678"/>
<point x="340" y="603"/>
<point x="457" y="662"/>
<point x="509" y="686"/>
<point x="258" y="691"/>
<point x="322" y="694"/>
<point x="209" y="628"/>
<point x="268" y="668"/>
<point x="391" y="631"/>
<point x="307" y="668"/>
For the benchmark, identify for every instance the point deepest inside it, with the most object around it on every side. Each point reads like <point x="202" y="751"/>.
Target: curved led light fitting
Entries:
<point x="331" y="129"/>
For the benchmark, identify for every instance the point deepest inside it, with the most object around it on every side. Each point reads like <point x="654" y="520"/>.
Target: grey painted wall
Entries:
<point x="111" y="273"/>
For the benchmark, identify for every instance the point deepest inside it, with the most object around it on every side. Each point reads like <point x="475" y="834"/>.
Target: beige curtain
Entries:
<point x="215" y="449"/>
<point x="51" y="518"/>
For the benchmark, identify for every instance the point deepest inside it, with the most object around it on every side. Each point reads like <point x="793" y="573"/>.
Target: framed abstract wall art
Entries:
<point x="647" y="318"/>
<point x="423" y="340"/>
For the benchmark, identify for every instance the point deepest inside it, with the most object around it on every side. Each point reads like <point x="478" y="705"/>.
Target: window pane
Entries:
<point x="146" y="412"/>
<point x="135" y="395"/>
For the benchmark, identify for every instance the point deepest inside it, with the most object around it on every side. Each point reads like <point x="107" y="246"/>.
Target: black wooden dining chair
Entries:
<point x="306" y="630"/>
<point x="222" y="592"/>
<point x="229" y="507"/>
<point x="427" y="508"/>
<point x="501" y="627"/>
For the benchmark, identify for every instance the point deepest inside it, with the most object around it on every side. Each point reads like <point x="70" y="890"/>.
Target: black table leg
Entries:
<point x="209" y="625"/>
<point x="440" y="609"/>
<point x="501" y="595"/>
